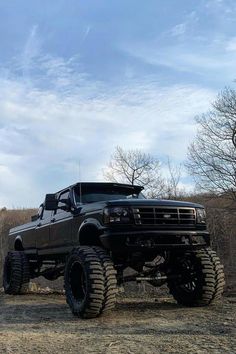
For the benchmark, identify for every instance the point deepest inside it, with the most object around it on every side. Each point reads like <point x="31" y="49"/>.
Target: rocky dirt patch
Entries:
<point x="43" y="323"/>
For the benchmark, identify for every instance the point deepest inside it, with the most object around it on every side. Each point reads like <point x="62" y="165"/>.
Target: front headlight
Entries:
<point x="117" y="215"/>
<point x="201" y="216"/>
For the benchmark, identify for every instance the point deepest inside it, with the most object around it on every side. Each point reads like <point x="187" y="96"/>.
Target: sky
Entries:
<point x="79" y="77"/>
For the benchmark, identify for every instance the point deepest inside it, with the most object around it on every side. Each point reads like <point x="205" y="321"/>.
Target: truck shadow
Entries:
<point x="146" y="305"/>
<point x="25" y="310"/>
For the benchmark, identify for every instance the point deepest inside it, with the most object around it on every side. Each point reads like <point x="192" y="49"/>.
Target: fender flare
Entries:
<point x="18" y="239"/>
<point x="89" y="223"/>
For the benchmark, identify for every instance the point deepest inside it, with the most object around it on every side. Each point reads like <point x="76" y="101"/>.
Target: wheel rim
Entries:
<point x="77" y="281"/>
<point x="189" y="278"/>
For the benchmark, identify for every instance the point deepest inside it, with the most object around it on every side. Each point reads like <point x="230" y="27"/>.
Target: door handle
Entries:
<point x="53" y="220"/>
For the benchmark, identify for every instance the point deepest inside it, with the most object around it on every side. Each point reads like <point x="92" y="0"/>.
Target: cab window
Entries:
<point x="64" y="195"/>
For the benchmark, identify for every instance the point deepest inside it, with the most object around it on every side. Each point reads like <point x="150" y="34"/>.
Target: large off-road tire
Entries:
<point x="110" y="285"/>
<point x="84" y="282"/>
<point x="200" y="278"/>
<point x="16" y="274"/>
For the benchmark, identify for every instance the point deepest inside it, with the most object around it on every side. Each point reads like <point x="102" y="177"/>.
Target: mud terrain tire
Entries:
<point x="201" y="278"/>
<point x="110" y="285"/>
<point x="84" y="282"/>
<point x="16" y="274"/>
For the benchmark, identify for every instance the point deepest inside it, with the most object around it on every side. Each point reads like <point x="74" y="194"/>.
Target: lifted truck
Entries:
<point x="91" y="232"/>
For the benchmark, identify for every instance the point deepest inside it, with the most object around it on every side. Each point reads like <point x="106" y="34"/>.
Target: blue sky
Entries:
<point x="78" y="78"/>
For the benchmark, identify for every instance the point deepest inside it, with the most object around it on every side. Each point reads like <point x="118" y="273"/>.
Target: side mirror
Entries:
<point x="51" y="202"/>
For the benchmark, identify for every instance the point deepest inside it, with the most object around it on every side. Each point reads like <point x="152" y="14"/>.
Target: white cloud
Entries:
<point x="211" y="58"/>
<point x="31" y="50"/>
<point x="178" y="30"/>
<point x="190" y="20"/>
<point x="221" y="7"/>
<point x="86" y="33"/>
<point x="16" y="187"/>
<point x="47" y="130"/>
<point x="32" y="43"/>
<point x="201" y="44"/>
<point x="231" y="45"/>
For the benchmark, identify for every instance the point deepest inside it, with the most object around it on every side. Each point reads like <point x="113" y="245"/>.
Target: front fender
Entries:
<point x="92" y="222"/>
<point x="89" y="232"/>
<point x="13" y="240"/>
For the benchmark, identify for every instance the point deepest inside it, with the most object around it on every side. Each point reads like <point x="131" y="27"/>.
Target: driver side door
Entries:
<point x="61" y="226"/>
<point x="42" y="230"/>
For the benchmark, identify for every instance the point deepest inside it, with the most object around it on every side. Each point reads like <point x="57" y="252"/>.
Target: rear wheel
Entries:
<point x="84" y="282"/>
<point x="16" y="275"/>
<point x="200" y="278"/>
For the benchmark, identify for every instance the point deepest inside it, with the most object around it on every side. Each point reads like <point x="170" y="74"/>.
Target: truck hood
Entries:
<point x="152" y="203"/>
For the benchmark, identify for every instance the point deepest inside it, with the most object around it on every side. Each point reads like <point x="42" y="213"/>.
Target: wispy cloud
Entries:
<point x="30" y="51"/>
<point x="231" y="45"/>
<point x="178" y="30"/>
<point x="221" y="7"/>
<point x="212" y="58"/>
<point x="65" y="119"/>
<point x="189" y="22"/>
<point x="201" y="44"/>
<point x="71" y="90"/>
<point x="86" y="33"/>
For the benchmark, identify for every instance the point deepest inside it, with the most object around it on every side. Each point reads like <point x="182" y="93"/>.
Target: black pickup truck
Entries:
<point x="91" y="232"/>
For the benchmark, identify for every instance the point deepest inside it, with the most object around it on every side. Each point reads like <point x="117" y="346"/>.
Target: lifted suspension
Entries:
<point x="138" y="279"/>
<point x="149" y="275"/>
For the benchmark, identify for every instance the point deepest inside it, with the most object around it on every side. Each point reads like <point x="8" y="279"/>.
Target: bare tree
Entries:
<point x="234" y="138"/>
<point x="136" y="167"/>
<point x="173" y="191"/>
<point x="212" y="156"/>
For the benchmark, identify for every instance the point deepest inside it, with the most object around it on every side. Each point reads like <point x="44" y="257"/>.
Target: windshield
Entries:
<point x="92" y="197"/>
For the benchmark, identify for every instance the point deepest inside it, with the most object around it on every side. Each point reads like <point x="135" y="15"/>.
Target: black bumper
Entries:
<point x="154" y="240"/>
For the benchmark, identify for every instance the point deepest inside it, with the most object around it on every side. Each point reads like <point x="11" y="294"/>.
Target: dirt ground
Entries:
<point x="42" y="323"/>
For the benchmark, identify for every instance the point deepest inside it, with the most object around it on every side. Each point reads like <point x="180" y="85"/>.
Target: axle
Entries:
<point x="138" y="279"/>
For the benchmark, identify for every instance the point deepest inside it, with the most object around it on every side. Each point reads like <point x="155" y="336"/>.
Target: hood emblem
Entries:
<point x="167" y="216"/>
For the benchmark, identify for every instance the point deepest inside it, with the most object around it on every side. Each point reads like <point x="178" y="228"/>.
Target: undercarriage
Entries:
<point x="91" y="275"/>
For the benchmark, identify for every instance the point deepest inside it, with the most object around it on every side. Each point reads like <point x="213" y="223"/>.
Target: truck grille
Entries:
<point x="164" y="216"/>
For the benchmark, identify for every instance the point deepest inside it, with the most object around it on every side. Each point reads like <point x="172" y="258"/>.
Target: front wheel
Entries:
<point x="199" y="278"/>
<point x="84" y="282"/>
<point x="110" y="281"/>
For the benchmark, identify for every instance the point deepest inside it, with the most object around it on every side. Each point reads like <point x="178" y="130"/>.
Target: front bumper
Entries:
<point x="154" y="240"/>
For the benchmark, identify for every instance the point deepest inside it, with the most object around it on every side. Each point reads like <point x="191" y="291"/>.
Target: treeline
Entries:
<point x="221" y="217"/>
<point x="221" y="223"/>
<point x="9" y="219"/>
